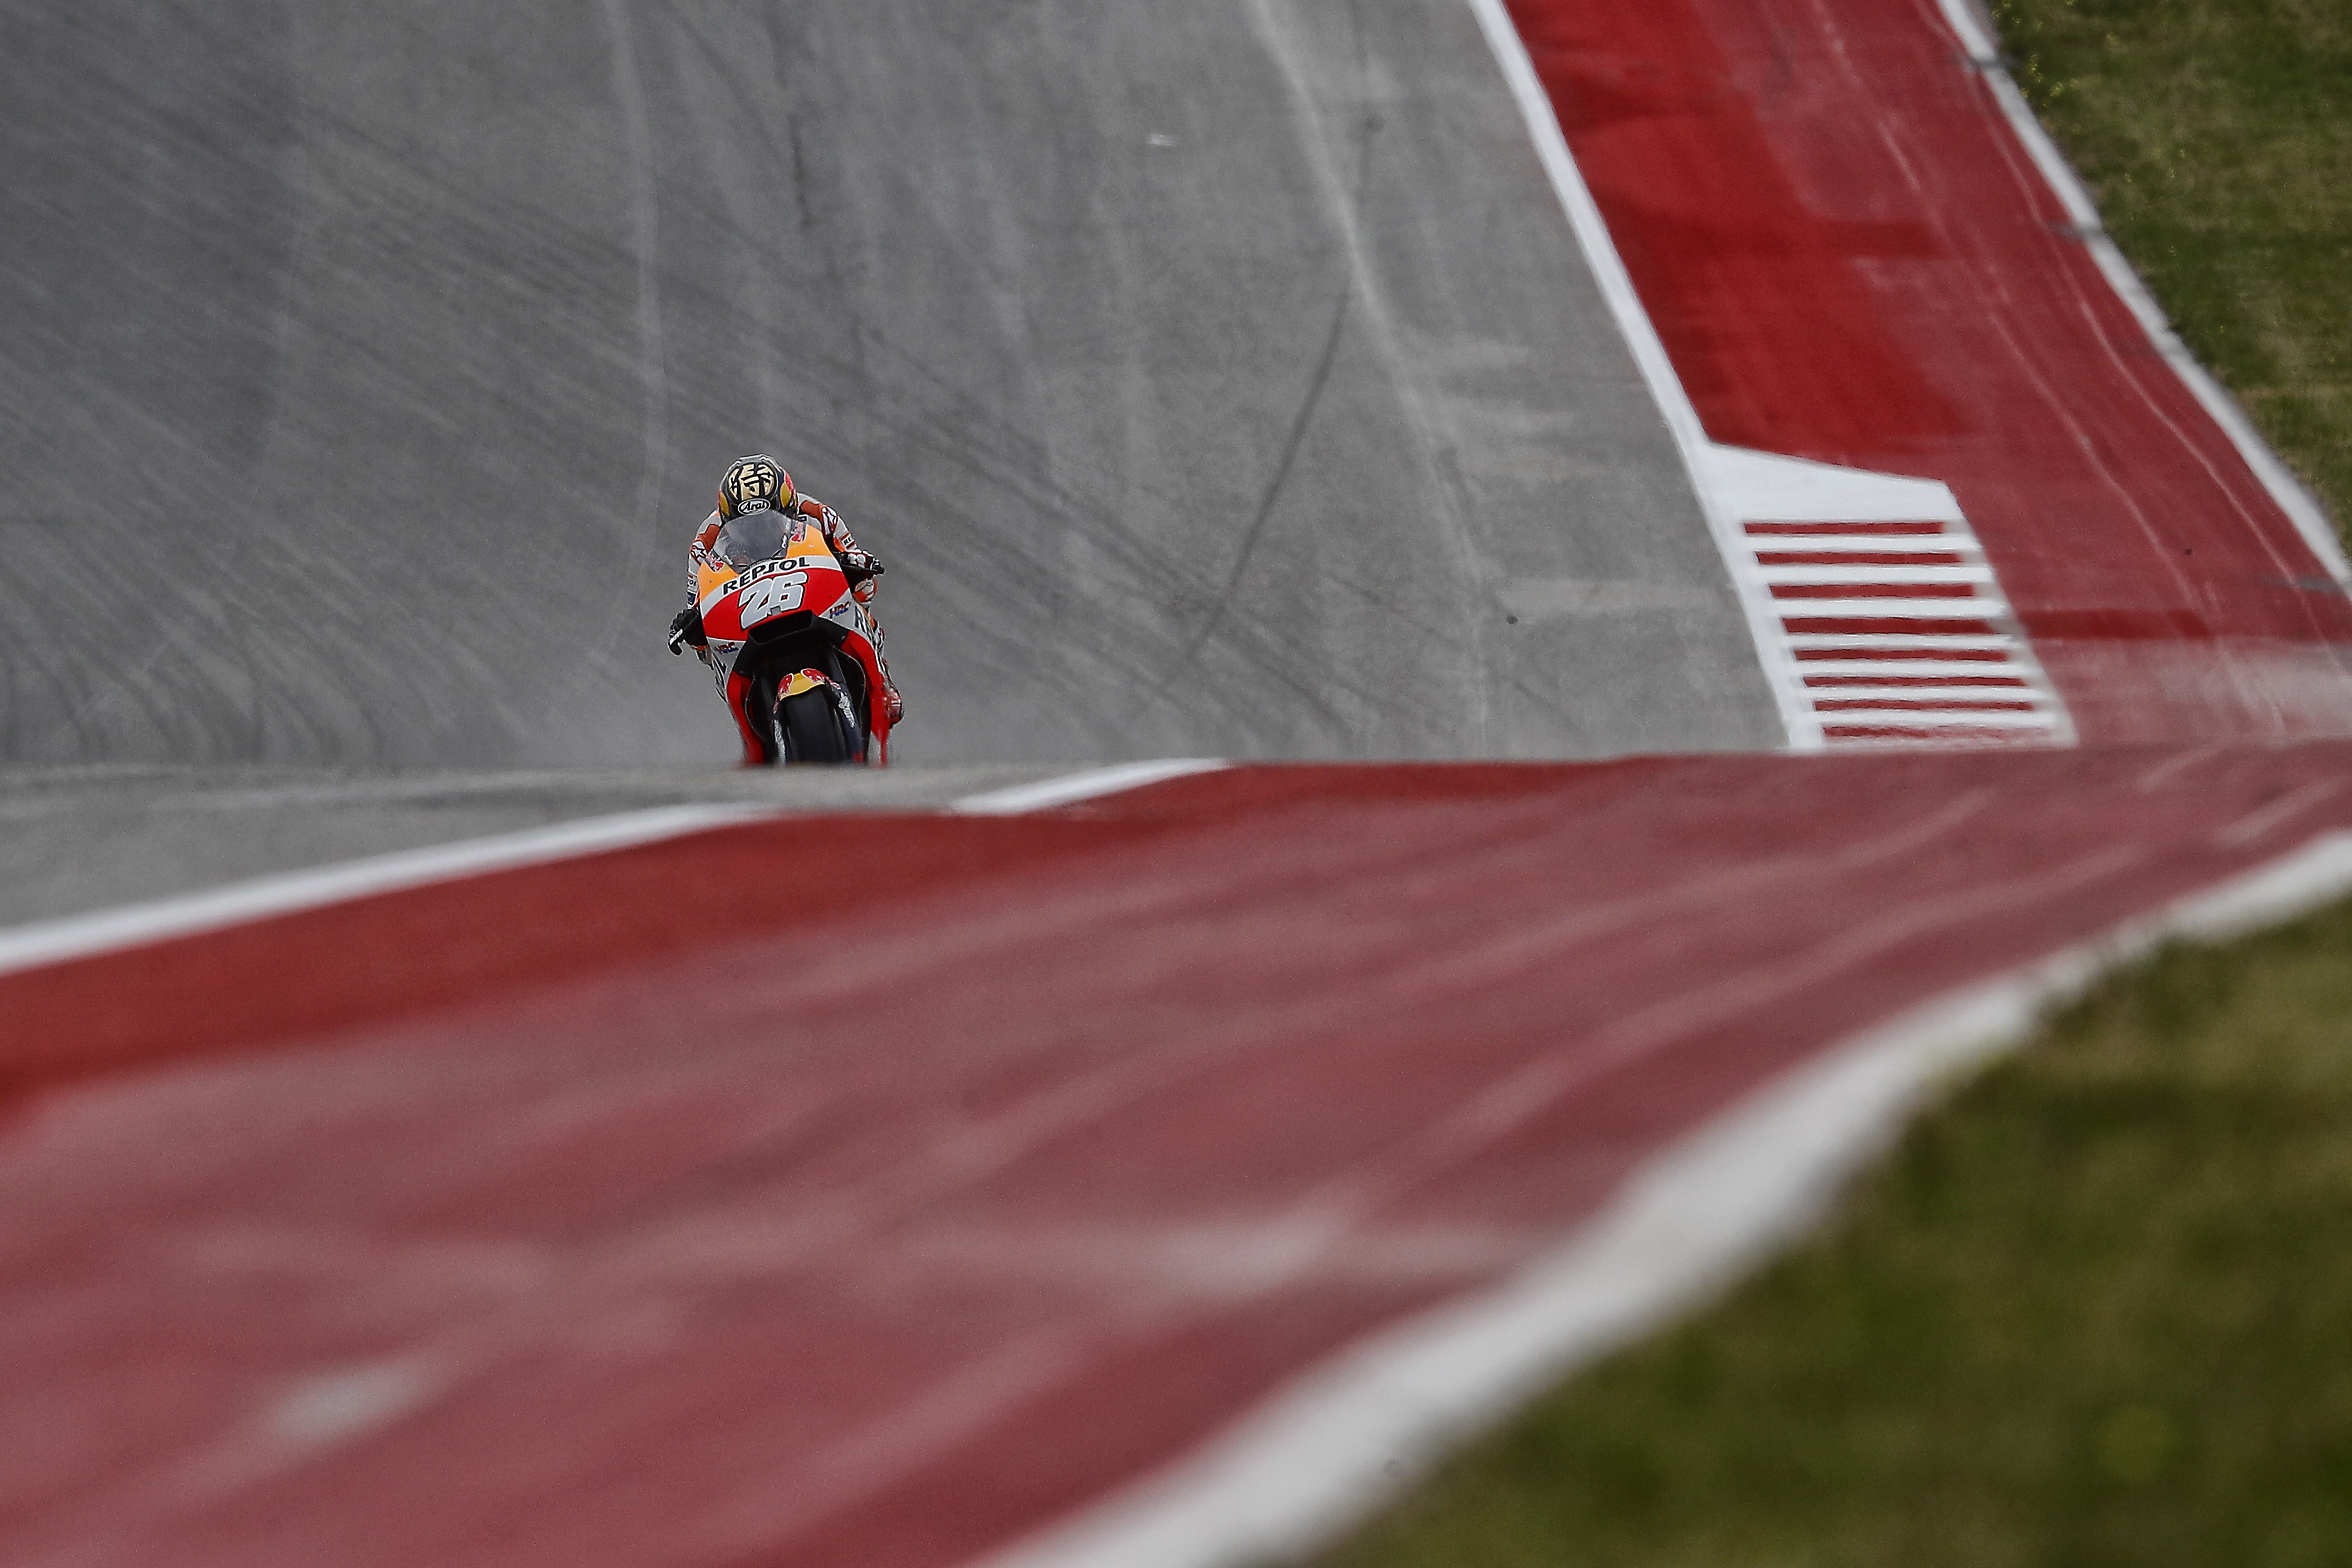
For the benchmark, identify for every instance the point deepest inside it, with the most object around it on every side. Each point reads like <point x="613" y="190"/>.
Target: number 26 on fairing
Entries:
<point x="771" y="596"/>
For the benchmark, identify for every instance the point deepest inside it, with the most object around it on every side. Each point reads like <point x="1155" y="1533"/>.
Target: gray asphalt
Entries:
<point x="76" y="840"/>
<point x="1216" y="379"/>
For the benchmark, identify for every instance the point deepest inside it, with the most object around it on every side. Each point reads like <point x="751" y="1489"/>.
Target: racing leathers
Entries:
<point x="857" y="560"/>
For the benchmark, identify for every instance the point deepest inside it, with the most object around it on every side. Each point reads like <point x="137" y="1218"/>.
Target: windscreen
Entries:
<point x="752" y="538"/>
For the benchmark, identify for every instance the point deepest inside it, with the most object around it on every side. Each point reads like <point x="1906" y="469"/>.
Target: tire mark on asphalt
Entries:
<point x="1300" y="425"/>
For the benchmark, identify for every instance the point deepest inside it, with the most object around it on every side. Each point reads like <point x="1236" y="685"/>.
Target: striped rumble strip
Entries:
<point x="1899" y="632"/>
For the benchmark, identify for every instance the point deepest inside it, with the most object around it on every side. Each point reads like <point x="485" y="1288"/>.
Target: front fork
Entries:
<point x="740" y="691"/>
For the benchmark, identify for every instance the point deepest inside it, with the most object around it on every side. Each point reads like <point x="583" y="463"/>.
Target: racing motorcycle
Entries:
<point x="790" y="644"/>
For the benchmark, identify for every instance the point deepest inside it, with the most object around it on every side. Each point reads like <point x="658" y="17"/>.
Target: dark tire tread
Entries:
<point x="808" y="730"/>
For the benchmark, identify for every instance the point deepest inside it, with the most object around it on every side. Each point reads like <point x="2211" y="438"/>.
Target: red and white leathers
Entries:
<point x="852" y="556"/>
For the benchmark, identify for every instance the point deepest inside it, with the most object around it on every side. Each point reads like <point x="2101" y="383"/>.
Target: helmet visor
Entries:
<point x="752" y="538"/>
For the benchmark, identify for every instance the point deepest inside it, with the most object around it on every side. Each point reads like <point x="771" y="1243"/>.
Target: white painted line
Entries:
<point x="1826" y="575"/>
<point x="1863" y="544"/>
<point x="2310" y="520"/>
<point x="1338" y="1439"/>
<point x="1657" y="370"/>
<point x="2259" y="824"/>
<point x="2294" y="884"/>
<point x="1766" y="486"/>
<point x="105" y="930"/>
<point x="1935" y="719"/>
<point x="1898" y="609"/>
<point x="1087" y="785"/>
<point x="2020" y="692"/>
<point x="1996" y="675"/>
<point x="1932" y="642"/>
<point x="261" y="898"/>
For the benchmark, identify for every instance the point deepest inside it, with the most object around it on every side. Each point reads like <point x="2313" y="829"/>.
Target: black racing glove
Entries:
<point x="684" y="628"/>
<point x="857" y="566"/>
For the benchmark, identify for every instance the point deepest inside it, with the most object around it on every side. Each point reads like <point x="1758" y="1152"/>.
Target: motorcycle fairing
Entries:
<point x="801" y="680"/>
<point x="802" y="582"/>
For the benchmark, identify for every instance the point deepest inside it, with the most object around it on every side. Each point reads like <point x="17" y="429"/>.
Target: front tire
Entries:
<point x="808" y="730"/>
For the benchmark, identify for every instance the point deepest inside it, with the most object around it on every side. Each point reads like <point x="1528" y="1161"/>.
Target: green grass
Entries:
<point x="2216" y="136"/>
<point x="2096" y="1309"/>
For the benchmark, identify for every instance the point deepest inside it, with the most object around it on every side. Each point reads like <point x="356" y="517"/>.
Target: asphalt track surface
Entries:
<point x="521" y="1220"/>
<point x="1215" y="380"/>
<point x="75" y="841"/>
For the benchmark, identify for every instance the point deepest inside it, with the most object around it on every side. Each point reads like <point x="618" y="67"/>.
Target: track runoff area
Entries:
<point x="1151" y="1167"/>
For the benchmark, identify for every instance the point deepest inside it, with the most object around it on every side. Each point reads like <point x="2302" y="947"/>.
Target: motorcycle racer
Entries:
<point x="758" y="483"/>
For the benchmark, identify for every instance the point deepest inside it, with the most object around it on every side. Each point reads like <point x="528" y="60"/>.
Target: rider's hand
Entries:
<point x="685" y="627"/>
<point x="858" y="567"/>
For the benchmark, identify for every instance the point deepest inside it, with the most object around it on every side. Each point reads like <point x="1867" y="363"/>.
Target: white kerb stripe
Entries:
<point x="1087" y="785"/>
<point x="1862" y="544"/>
<point x="55" y="942"/>
<point x="1828" y="573"/>
<point x="1332" y="1444"/>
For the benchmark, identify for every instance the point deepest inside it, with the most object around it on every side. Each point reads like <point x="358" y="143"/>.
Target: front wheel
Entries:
<point x="809" y="729"/>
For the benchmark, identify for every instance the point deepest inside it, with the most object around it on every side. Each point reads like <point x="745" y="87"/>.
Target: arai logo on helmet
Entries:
<point x="753" y="484"/>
